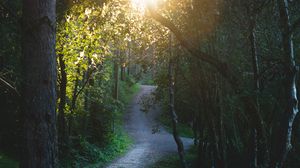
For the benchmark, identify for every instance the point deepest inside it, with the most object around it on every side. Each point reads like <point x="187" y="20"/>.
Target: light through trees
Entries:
<point x="142" y="5"/>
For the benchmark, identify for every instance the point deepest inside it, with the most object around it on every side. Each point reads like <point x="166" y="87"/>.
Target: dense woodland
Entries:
<point x="228" y="69"/>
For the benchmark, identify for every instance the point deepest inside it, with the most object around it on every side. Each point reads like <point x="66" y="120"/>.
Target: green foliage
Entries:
<point x="10" y="79"/>
<point x="90" y="155"/>
<point x="118" y="146"/>
<point x="221" y="29"/>
<point x="7" y="162"/>
<point x="91" y="38"/>
<point x="93" y="35"/>
<point x="127" y="93"/>
<point x="147" y="78"/>
<point x="105" y="138"/>
<point x="172" y="161"/>
<point x="183" y="129"/>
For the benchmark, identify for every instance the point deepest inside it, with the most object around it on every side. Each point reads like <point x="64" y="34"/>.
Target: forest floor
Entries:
<point x="151" y="140"/>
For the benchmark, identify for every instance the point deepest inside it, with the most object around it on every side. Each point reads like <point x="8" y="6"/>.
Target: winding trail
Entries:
<point x="148" y="147"/>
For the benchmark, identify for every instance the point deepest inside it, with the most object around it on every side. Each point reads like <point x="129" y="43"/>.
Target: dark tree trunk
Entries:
<point x="39" y="94"/>
<point x="129" y="58"/>
<point x="177" y="139"/>
<point x="283" y="129"/>
<point x="89" y="81"/>
<point x="254" y="54"/>
<point x="173" y="115"/>
<point x="62" y="102"/>
<point x="75" y="93"/>
<point x="255" y="68"/>
<point x="87" y="103"/>
<point x="123" y="68"/>
<point x="73" y="106"/>
<point x="116" y="80"/>
<point x="227" y="71"/>
<point x="220" y="124"/>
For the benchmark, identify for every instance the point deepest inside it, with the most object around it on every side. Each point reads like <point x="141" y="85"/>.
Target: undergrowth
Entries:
<point x="183" y="129"/>
<point x="88" y="155"/>
<point x="92" y="156"/>
<point x="7" y="162"/>
<point x="172" y="161"/>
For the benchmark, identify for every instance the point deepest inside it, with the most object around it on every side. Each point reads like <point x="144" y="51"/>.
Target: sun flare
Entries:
<point x="142" y="5"/>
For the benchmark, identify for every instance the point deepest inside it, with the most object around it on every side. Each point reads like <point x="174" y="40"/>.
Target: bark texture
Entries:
<point x="283" y="130"/>
<point x="39" y="73"/>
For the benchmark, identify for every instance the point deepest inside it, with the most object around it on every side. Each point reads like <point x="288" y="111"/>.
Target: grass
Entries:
<point x="172" y="161"/>
<point x="116" y="148"/>
<point x="120" y="141"/>
<point x="88" y="155"/>
<point x="128" y="93"/>
<point x="147" y="79"/>
<point x="7" y="162"/>
<point x="183" y="129"/>
<point x="92" y="156"/>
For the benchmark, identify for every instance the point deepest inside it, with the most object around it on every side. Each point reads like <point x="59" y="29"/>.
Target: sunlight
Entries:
<point x="141" y="5"/>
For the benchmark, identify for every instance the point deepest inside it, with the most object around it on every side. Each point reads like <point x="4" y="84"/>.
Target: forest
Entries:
<point x="149" y="83"/>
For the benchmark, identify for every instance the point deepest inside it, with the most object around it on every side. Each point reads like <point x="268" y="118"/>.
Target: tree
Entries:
<point x="256" y="117"/>
<point x="172" y="112"/>
<point x="39" y="94"/>
<point x="283" y="130"/>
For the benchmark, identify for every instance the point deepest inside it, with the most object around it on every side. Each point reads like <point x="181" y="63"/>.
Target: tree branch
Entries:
<point x="9" y="86"/>
<point x="222" y="67"/>
<point x="227" y="71"/>
<point x="89" y="75"/>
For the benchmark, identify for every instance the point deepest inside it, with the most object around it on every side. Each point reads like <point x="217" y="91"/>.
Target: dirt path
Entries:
<point x="148" y="147"/>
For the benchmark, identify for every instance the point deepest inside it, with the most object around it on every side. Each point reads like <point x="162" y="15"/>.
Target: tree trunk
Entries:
<point x="73" y="105"/>
<point x="123" y="68"/>
<point x="283" y="130"/>
<point x="39" y="82"/>
<point x="129" y="58"/>
<point x="227" y="71"/>
<point x="219" y="122"/>
<point x="62" y="102"/>
<point x="86" y="107"/>
<point x="75" y="92"/>
<point x="177" y="139"/>
<point x="116" y="79"/>
<point x="173" y="115"/>
<point x="254" y="56"/>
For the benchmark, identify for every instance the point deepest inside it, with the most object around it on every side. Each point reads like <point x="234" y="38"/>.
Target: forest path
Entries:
<point x="148" y="147"/>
